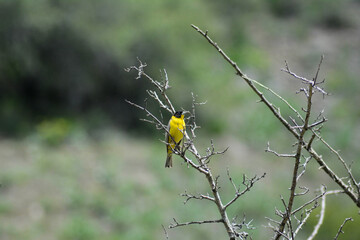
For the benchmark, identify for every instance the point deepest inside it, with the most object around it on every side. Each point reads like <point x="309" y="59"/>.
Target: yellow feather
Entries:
<point x="176" y="130"/>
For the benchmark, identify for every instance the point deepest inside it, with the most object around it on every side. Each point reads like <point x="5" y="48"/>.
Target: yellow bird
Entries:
<point x="176" y="129"/>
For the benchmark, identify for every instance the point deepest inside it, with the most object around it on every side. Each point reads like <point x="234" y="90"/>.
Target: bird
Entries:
<point x="174" y="135"/>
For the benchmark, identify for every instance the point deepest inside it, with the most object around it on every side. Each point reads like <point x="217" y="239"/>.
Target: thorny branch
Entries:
<point x="232" y="228"/>
<point x="165" y="232"/>
<point x="347" y="189"/>
<point x="322" y="214"/>
<point x="162" y="87"/>
<point x="291" y="220"/>
<point x="177" y="224"/>
<point x="298" y="128"/>
<point x="247" y="182"/>
<point x="341" y="227"/>
<point x="199" y="197"/>
<point x="286" y="219"/>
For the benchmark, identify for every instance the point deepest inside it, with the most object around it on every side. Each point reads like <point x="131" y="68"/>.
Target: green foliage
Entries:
<point x="65" y="59"/>
<point x="5" y="207"/>
<point x="257" y="126"/>
<point x="79" y="228"/>
<point x="56" y="71"/>
<point x="54" y="132"/>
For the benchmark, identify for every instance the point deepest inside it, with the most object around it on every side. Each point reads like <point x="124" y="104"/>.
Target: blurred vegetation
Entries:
<point x="73" y="163"/>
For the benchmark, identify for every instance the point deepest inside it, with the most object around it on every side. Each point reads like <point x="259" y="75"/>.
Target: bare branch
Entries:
<point x="303" y="219"/>
<point x="192" y="118"/>
<point x="248" y="183"/>
<point x="199" y="197"/>
<point x="211" y="152"/>
<point x="281" y="98"/>
<point x="332" y="175"/>
<point x="348" y="170"/>
<point x="287" y="217"/>
<point x="308" y="146"/>
<point x="162" y="87"/>
<point x="300" y="127"/>
<point x="177" y="224"/>
<point x="202" y="168"/>
<point x="231" y="180"/>
<point x="305" y="80"/>
<point x="156" y="121"/>
<point x="307" y="160"/>
<point x="309" y="202"/>
<point x="165" y="232"/>
<point x="241" y="225"/>
<point x="323" y="120"/>
<point x="189" y="145"/>
<point x="313" y="85"/>
<point x="318" y="69"/>
<point x="154" y="95"/>
<point x="341" y="227"/>
<point x="278" y="154"/>
<point x="322" y="214"/>
<point x="249" y="81"/>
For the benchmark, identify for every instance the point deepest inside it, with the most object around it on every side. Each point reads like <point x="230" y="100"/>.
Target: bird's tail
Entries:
<point x="168" y="163"/>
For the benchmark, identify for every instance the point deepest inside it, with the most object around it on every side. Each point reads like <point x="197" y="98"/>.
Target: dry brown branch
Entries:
<point x="322" y="215"/>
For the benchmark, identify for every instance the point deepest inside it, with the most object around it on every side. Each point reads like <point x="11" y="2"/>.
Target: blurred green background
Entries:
<point x="76" y="163"/>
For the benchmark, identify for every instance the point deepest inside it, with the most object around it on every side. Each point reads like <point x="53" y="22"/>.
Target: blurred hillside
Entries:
<point x="73" y="163"/>
<point x="64" y="59"/>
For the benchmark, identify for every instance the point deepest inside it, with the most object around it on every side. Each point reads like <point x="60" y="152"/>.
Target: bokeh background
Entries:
<point x="76" y="162"/>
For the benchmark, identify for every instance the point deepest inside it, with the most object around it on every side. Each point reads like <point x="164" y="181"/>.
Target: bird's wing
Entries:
<point x="167" y="135"/>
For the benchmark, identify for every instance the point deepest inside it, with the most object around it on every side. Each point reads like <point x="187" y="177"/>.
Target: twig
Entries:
<point x="189" y="146"/>
<point x="278" y="154"/>
<point x="193" y="125"/>
<point x="211" y="152"/>
<point x="161" y="87"/>
<point x="348" y="170"/>
<point x="165" y="232"/>
<point x="341" y="227"/>
<point x="248" y="185"/>
<point x="304" y="80"/>
<point x="304" y="167"/>
<point x="333" y="176"/>
<point x="322" y="215"/>
<point x="177" y="224"/>
<point x="199" y="197"/>
<point x="309" y="202"/>
<point x="287" y="217"/>
<point x="157" y="121"/>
